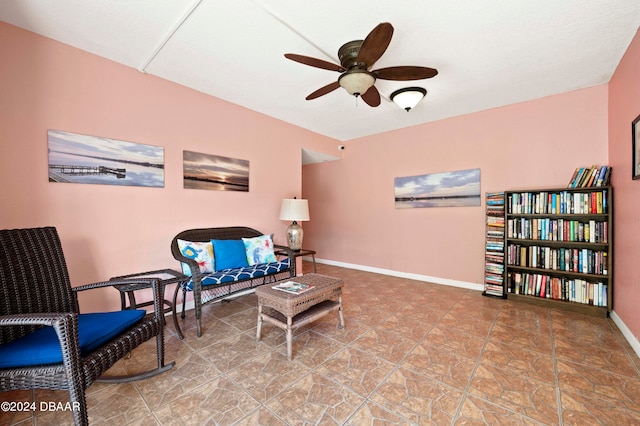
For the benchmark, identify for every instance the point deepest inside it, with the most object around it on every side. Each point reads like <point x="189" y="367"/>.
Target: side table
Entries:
<point x="298" y="253"/>
<point x="166" y="276"/>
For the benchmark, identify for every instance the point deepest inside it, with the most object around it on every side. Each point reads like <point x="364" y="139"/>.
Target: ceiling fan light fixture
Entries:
<point x="408" y="97"/>
<point x="357" y="82"/>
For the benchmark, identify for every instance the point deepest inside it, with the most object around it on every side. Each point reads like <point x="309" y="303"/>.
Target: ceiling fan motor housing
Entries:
<point x="348" y="54"/>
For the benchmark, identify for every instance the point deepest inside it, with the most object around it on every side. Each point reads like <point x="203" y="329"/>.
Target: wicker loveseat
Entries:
<point x="217" y="282"/>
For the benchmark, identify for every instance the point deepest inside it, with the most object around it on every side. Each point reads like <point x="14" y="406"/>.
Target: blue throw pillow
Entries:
<point x="43" y="347"/>
<point x="229" y="254"/>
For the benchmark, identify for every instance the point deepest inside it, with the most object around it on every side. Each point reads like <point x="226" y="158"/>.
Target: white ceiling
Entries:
<point x="488" y="53"/>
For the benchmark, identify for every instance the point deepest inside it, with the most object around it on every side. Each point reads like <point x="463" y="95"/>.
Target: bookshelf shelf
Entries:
<point x="494" y="245"/>
<point x="566" y="273"/>
<point x="558" y="248"/>
<point x="551" y="243"/>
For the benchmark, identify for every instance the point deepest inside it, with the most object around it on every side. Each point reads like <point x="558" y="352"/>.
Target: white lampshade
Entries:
<point x="357" y="82"/>
<point x="294" y="209"/>
<point x="408" y="97"/>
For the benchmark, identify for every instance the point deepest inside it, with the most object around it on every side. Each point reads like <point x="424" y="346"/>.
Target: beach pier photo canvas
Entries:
<point x="75" y="158"/>
<point x="449" y="189"/>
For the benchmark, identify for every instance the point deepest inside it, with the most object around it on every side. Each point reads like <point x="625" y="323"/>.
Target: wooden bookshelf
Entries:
<point x="494" y="245"/>
<point x="559" y="248"/>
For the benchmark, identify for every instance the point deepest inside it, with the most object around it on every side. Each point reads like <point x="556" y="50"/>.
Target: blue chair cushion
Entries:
<point x="229" y="254"/>
<point x="43" y="347"/>
<point x="239" y="274"/>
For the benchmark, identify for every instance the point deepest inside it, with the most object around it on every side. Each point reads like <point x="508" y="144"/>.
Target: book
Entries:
<point x="607" y="176"/>
<point x="588" y="177"/>
<point x="573" y="177"/>
<point x="600" y="178"/>
<point x="580" y="177"/>
<point x="591" y="181"/>
<point x="292" y="287"/>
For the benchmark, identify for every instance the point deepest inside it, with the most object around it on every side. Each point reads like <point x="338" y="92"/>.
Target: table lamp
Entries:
<point x="295" y="210"/>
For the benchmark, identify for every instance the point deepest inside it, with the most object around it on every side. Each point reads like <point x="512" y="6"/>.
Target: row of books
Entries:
<point x="497" y="221"/>
<point x="495" y="233"/>
<point x="590" y="177"/>
<point x="584" y="260"/>
<point x="494" y="248"/>
<point x="495" y="198"/>
<point x="494" y="244"/>
<point x="558" y="230"/>
<point x="495" y="206"/>
<point x="494" y="268"/>
<point x="572" y="290"/>
<point x="563" y="202"/>
<point x="494" y="256"/>
<point x="494" y="289"/>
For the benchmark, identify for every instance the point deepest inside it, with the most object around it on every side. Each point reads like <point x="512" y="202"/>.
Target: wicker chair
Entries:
<point x="36" y="294"/>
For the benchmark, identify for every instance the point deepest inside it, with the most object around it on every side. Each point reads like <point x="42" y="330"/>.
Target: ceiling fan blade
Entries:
<point x="323" y="90"/>
<point x="314" y="62"/>
<point x="404" y="73"/>
<point x="375" y="44"/>
<point x="372" y="97"/>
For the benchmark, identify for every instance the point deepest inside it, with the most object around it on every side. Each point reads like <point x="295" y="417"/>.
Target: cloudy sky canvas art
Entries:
<point x="449" y="189"/>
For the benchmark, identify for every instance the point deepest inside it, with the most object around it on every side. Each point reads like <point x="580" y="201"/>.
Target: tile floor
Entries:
<point x="412" y="353"/>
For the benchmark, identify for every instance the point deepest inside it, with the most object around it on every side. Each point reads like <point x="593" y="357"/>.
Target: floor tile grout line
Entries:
<point x="312" y="370"/>
<point x="146" y="403"/>
<point x="465" y="392"/>
<point x="396" y="367"/>
<point x="555" y="369"/>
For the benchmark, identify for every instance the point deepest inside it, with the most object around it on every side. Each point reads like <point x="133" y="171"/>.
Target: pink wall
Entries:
<point x="624" y="107"/>
<point x="109" y="230"/>
<point x="535" y="144"/>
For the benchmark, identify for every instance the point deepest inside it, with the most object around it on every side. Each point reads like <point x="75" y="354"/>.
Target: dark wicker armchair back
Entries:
<point x="33" y="276"/>
<point x="207" y="234"/>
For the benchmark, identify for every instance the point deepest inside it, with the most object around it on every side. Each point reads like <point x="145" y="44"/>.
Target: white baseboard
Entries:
<point x="417" y="277"/>
<point x="390" y="272"/>
<point x="633" y="340"/>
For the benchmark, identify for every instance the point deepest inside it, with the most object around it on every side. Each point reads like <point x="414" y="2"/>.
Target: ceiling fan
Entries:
<point x="356" y="59"/>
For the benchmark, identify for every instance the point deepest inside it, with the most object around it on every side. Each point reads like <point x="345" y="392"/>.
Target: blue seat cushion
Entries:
<point x="239" y="274"/>
<point x="43" y="347"/>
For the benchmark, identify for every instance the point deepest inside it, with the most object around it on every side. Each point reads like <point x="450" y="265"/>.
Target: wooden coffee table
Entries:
<point x="291" y="311"/>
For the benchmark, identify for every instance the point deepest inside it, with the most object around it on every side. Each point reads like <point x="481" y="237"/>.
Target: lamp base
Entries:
<point x="294" y="236"/>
